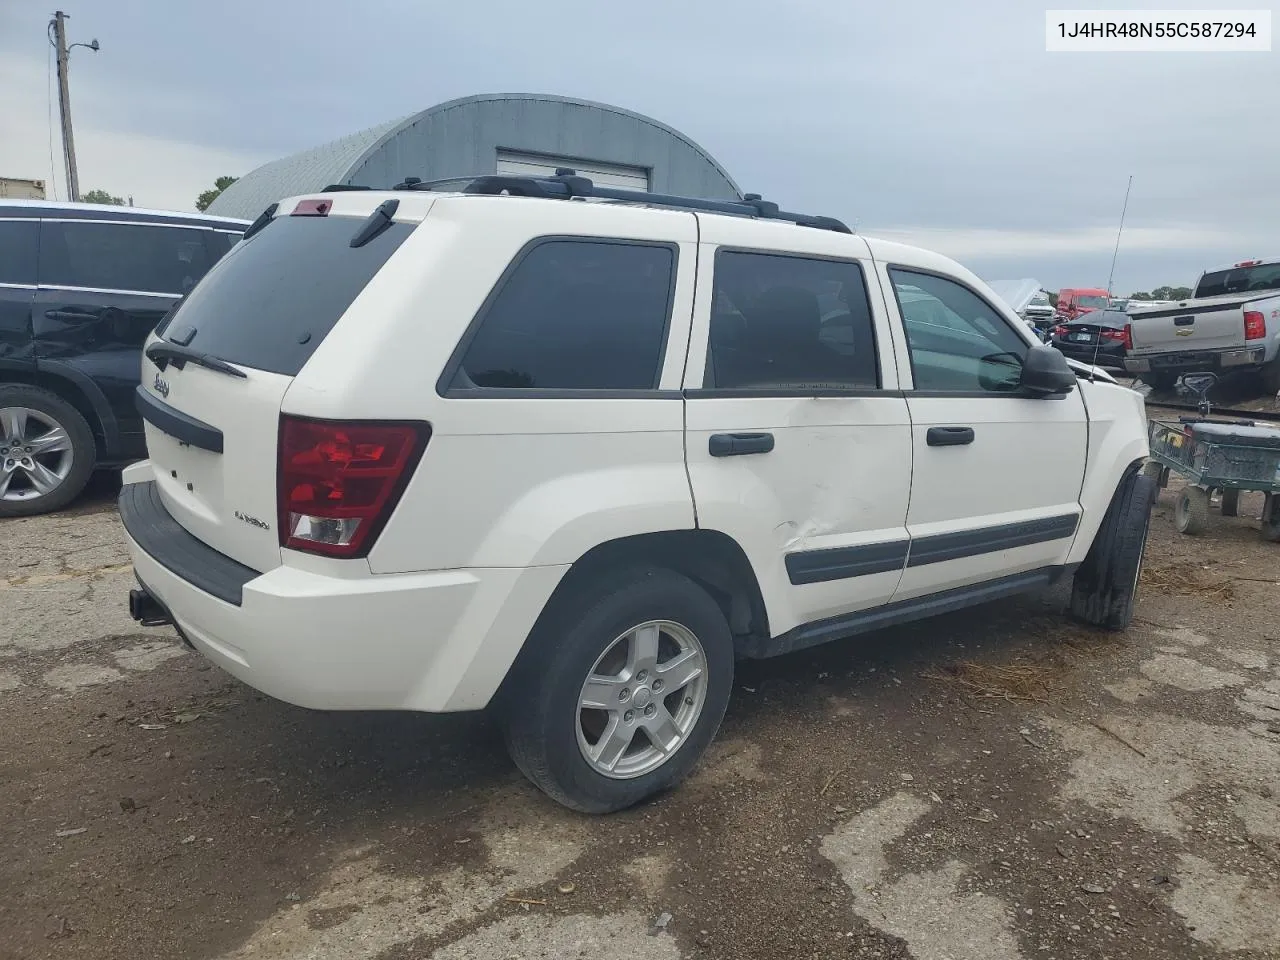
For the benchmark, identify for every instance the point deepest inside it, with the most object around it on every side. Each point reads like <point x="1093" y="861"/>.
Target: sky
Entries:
<point x="939" y="123"/>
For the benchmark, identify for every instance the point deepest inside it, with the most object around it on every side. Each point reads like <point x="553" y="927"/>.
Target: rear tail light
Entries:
<point x="1120" y="336"/>
<point x="1060" y="330"/>
<point x="339" y="481"/>
<point x="1127" y="336"/>
<point x="1255" y="325"/>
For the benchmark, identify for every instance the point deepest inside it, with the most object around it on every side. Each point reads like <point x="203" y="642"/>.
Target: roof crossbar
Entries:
<point x="567" y="185"/>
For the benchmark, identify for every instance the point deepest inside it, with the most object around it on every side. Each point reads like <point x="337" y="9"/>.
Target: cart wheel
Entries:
<point x="1230" y="502"/>
<point x="1191" y="513"/>
<point x="1271" y="518"/>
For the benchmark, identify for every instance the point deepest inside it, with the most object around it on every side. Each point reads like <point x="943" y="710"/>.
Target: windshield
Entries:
<point x="1239" y="280"/>
<point x="1096" y="303"/>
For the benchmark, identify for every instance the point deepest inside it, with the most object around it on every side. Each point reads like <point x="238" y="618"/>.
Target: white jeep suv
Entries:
<point x="570" y="452"/>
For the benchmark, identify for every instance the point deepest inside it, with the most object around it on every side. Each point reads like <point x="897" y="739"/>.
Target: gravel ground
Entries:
<point x="999" y="784"/>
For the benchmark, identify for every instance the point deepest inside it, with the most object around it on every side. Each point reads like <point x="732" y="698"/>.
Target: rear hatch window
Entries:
<point x="274" y="298"/>
<point x="1258" y="279"/>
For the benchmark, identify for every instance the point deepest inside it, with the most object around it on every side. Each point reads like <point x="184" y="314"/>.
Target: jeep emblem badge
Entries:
<point x="161" y="386"/>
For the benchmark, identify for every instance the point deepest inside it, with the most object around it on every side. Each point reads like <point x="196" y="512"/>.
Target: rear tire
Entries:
<point x="1106" y="585"/>
<point x="1231" y="502"/>
<point x="1271" y="518"/>
<point x="47" y="451"/>
<point x="1191" y="512"/>
<point x="1163" y="382"/>
<point x="548" y="729"/>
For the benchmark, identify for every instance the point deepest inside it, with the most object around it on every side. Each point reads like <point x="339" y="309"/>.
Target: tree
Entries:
<point x="101" y="196"/>
<point x="206" y="198"/>
<point x="1171" y="293"/>
<point x="1163" y="293"/>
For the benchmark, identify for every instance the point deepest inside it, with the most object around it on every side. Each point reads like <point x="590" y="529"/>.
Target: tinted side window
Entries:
<point x="122" y="256"/>
<point x="18" y="251"/>
<point x="220" y="243"/>
<point x="577" y="315"/>
<point x="957" y="340"/>
<point x="782" y="321"/>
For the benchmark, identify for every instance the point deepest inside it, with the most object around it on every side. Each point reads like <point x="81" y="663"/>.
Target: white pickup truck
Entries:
<point x="1232" y="322"/>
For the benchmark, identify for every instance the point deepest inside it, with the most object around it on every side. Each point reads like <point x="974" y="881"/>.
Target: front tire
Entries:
<point x="47" y="451"/>
<point x="625" y="684"/>
<point x="1191" y="512"/>
<point x="1106" y="585"/>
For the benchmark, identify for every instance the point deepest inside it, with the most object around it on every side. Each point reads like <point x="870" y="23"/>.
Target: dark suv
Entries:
<point x="81" y="286"/>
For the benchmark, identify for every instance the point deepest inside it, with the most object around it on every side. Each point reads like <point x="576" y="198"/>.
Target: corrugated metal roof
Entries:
<point x="342" y="161"/>
<point x="298" y="173"/>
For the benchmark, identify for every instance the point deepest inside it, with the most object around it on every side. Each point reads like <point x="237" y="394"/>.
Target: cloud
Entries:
<point x="947" y="123"/>
<point x="157" y="172"/>
<point x="995" y="244"/>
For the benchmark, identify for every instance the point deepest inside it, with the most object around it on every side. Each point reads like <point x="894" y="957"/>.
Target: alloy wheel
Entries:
<point x="641" y="699"/>
<point x="36" y="454"/>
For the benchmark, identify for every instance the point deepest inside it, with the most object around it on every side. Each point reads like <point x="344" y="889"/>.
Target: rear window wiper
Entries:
<point x="162" y="354"/>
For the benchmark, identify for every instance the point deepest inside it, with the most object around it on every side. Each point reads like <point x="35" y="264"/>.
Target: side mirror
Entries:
<point x="1046" y="373"/>
<point x="1000" y="372"/>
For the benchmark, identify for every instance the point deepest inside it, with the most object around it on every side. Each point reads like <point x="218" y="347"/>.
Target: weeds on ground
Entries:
<point x="1187" y="577"/>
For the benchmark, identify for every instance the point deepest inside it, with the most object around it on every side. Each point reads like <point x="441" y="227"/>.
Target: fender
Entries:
<point x="1117" y="440"/>
<point x="57" y="370"/>
<point x="567" y="517"/>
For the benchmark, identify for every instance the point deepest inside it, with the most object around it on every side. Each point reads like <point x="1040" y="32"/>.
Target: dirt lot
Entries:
<point x="995" y="785"/>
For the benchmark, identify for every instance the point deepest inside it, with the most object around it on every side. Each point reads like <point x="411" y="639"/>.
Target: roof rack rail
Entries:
<point x="567" y="185"/>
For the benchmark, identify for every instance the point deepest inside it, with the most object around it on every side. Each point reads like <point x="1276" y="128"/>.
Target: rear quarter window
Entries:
<point x="110" y="255"/>
<point x="574" y="315"/>
<point x="271" y="301"/>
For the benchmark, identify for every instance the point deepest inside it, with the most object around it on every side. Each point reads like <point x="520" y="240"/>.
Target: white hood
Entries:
<point x="1016" y="293"/>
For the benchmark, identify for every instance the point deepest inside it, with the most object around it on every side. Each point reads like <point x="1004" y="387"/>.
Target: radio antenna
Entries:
<point x="1125" y="209"/>
<point x="1097" y="334"/>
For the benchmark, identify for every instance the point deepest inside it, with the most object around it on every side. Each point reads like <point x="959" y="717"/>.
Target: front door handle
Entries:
<point x="949" y="436"/>
<point x="71" y="316"/>
<point x="738" y="444"/>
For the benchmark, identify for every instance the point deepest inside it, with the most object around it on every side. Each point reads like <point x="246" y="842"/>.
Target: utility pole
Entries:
<point x="64" y="99"/>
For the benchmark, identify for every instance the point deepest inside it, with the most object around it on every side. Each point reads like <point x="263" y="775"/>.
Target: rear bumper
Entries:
<point x="436" y="642"/>
<point x="1197" y="361"/>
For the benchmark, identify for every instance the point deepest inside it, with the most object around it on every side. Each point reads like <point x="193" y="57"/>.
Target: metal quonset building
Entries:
<point x="517" y="133"/>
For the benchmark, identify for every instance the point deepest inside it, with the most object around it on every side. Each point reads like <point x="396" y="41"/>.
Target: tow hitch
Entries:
<point x="147" y="610"/>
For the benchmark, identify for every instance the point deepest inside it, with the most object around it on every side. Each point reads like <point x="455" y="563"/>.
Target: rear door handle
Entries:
<point x="738" y="444"/>
<point x="949" y="436"/>
<point x="71" y="316"/>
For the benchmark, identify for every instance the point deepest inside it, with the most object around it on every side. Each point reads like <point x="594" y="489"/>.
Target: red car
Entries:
<point x="1075" y="301"/>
